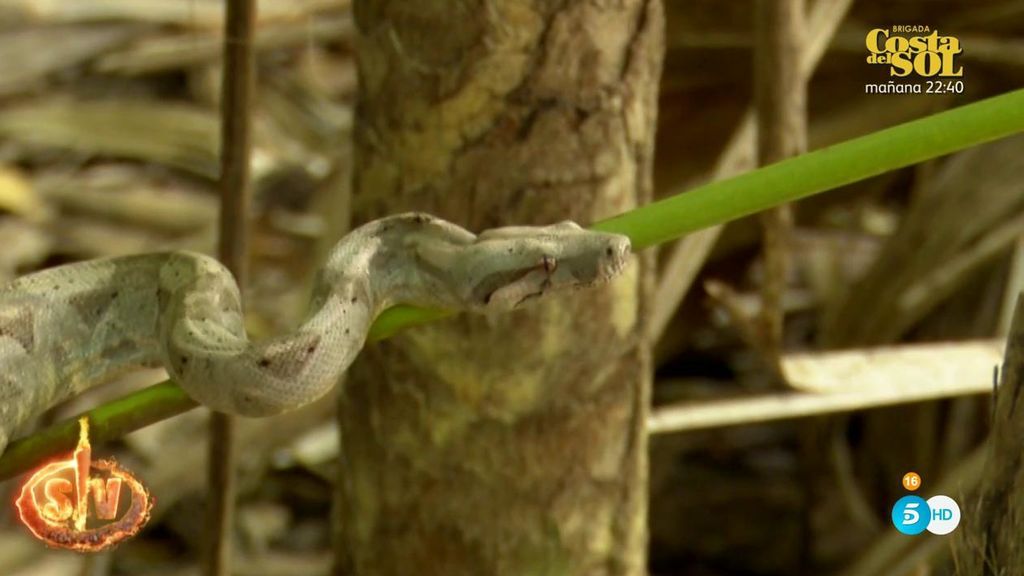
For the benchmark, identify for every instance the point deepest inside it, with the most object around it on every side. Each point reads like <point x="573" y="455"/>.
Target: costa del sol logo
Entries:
<point x="919" y="60"/>
<point x="913" y="514"/>
<point x="54" y="503"/>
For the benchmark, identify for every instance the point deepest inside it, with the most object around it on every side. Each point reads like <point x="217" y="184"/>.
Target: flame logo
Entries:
<point x="54" y="501"/>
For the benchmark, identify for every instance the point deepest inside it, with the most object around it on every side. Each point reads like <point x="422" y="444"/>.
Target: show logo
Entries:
<point x="919" y="60"/>
<point x="83" y="505"/>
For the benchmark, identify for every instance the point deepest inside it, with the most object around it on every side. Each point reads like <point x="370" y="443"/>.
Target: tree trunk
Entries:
<point x="516" y="444"/>
<point x="989" y="542"/>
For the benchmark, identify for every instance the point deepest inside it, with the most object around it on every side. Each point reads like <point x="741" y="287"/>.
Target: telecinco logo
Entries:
<point x="913" y="514"/>
<point x="54" y="501"/>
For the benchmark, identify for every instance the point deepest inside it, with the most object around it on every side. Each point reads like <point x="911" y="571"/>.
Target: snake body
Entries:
<point x="68" y="328"/>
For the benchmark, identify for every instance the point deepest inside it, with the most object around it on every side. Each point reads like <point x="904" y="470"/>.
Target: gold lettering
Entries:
<point x="872" y="40"/>
<point x="947" y="65"/>
<point x="927" y="64"/>
<point x="901" y="64"/>
<point x="58" y="504"/>
<point x="105" y="495"/>
<point x="918" y="44"/>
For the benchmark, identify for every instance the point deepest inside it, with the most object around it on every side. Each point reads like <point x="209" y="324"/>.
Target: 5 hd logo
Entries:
<point x="913" y="515"/>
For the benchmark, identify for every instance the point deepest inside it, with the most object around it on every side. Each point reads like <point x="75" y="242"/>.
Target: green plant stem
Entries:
<point x="107" y="422"/>
<point x="821" y="170"/>
<point x="672" y="217"/>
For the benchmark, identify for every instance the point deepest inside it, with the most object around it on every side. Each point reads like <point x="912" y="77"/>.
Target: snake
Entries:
<point x="68" y="328"/>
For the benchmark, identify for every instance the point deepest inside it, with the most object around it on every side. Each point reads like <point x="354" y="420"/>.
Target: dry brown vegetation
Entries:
<point x="108" y="145"/>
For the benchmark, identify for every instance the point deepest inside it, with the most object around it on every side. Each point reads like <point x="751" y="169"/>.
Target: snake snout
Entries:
<point x="616" y="254"/>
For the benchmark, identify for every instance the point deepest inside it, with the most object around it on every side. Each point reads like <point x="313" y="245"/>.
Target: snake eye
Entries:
<point x="549" y="264"/>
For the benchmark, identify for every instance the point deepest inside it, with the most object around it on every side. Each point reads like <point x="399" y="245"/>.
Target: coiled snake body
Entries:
<point x="68" y="328"/>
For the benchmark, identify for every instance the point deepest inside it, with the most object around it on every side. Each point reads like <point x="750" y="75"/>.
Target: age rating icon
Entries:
<point x="54" y="503"/>
<point x="911" y="481"/>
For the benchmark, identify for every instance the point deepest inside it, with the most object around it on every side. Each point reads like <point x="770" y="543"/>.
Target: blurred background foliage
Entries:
<point x="108" y="129"/>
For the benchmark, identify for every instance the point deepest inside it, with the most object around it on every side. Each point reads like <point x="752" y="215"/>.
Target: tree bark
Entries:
<point x="515" y="444"/>
<point x="988" y="542"/>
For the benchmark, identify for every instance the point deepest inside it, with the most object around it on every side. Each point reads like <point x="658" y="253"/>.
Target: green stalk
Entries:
<point x="655" y="223"/>
<point x="824" y="169"/>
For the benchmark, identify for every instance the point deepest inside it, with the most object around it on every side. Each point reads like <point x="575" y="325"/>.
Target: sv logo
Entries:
<point x="54" y="502"/>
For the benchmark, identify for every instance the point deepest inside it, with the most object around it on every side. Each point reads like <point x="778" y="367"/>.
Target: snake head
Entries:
<point x="506" y="267"/>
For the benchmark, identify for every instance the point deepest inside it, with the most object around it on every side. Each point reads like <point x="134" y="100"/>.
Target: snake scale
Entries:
<point x="68" y="328"/>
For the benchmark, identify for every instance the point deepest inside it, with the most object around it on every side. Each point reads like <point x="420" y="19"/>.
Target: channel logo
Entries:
<point x="913" y="515"/>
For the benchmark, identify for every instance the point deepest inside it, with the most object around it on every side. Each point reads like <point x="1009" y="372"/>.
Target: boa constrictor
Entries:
<point x="68" y="328"/>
